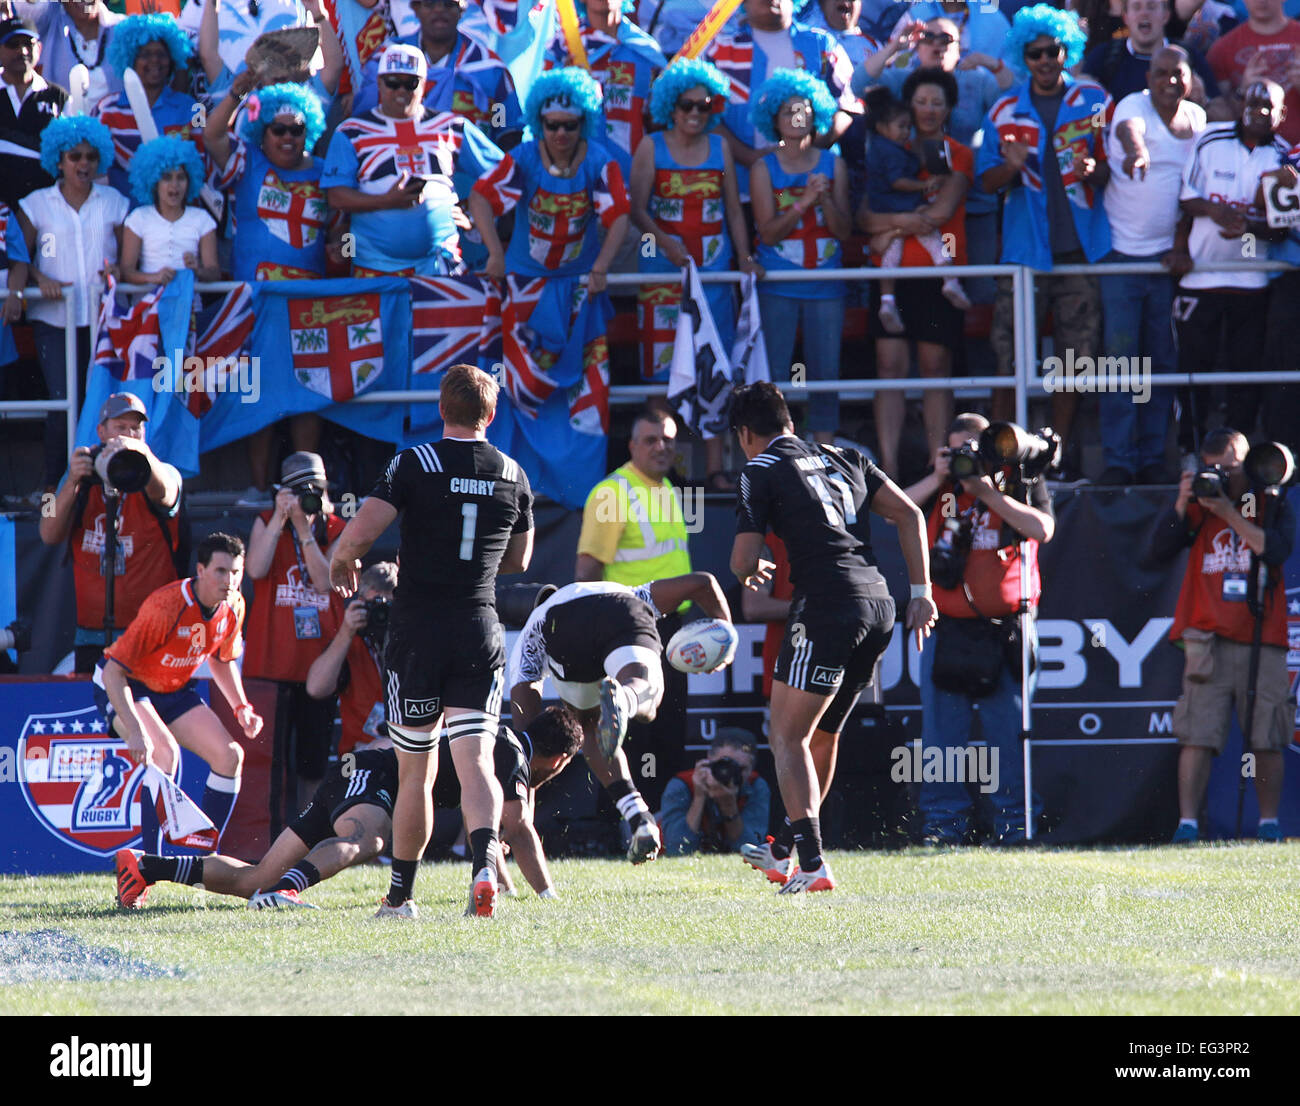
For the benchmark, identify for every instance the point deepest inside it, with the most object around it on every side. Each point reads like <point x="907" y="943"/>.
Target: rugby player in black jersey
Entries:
<point x="467" y="514"/>
<point x="350" y="817"/>
<point x="815" y="498"/>
<point x="598" y="642"/>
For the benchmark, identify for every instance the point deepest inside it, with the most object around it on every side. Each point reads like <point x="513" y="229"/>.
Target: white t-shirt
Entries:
<point x="1223" y="169"/>
<point x="1144" y="212"/>
<point x="164" y="244"/>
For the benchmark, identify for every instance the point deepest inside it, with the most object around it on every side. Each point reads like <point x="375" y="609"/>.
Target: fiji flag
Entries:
<point x="562" y="443"/>
<point x="127" y="345"/>
<point x="524" y="48"/>
<point x="319" y="345"/>
<point x="454" y="320"/>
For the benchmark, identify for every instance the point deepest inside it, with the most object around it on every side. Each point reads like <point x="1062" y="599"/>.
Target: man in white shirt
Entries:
<point x="1151" y="138"/>
<point x="1221" y="316"/>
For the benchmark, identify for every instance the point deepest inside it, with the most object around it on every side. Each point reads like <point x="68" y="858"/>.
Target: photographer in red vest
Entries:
<point x="1214" y="624"/>
<point x="292" y="616"/>
<point x="148" y="529"/>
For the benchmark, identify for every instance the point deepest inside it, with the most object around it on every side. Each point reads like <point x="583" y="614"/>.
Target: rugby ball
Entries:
<point x="703" y="646"/>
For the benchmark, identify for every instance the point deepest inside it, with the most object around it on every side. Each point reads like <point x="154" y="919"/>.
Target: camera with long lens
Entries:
<point x="310" y="499"/>
<point x="1270" y="465"/>
<point x="1210" y="481"/>
<point x="965" y="461"/>
<point x="377" y="611"/>
<point x="16" y="636"/>
<point x="727" y="771"/>
<point x="949" y="553"/>
<point x="121" y="470"/>
<point x="1031" y="453"/>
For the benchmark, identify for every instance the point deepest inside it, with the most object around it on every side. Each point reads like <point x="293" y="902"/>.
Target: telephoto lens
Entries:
<point x="310" y="500"/>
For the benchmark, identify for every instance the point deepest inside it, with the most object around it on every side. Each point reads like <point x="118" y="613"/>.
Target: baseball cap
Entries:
<point x="403" y="59"/>
<point x="14" y="26"/>
<point x="302" y="468"/>
<point x="122" y="403"/>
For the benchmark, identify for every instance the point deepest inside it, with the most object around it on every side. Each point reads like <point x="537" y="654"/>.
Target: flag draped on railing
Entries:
<point x="267" y="350"/>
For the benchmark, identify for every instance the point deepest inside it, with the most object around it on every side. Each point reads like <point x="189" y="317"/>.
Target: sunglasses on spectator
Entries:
<point x="81" y="155"/>
<point x="702" y="106"/>
<point x="937" y="38"/>
<point x="294" y="130"/>
<point x="408" y="83"/>
<point x="569" y="126"/>
<point x="1036" y="53"/>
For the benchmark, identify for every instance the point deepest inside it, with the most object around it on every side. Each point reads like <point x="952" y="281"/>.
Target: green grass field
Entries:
<point x="1149" y="931"/>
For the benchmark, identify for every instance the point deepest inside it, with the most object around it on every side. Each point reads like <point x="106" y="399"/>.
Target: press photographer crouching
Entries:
<point x="1231" y="618"/>
<point x="121" y="482"/>
<point x="984" y="496"/>
<point x="720" y="804"/>
<point x="352" y="665"/>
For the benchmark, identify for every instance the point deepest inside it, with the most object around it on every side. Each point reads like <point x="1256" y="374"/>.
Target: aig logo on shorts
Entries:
<point x="420" y="708"/>
<point x="827" y="677"/>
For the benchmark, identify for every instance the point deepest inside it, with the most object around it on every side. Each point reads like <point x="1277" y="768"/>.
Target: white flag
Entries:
<point x="750" y="350"/>
<point x="699" y="383"/>
<point x="182" y="822"/>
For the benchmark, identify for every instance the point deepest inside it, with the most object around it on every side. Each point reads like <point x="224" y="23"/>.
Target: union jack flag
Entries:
<point x="526" y="380"/>
<point x="449" y="322"/>
<point x="222" y="336"/>
<point x="126" y="342"/>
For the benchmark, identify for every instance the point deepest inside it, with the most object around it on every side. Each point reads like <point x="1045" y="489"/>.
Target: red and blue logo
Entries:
<point x="78" y="780"/>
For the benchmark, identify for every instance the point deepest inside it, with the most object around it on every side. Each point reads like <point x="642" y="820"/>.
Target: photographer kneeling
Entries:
<point x="720" y="804"/>
<point x="352" y="665"/>
<point x="975" y="525"/>
<point x="148" y="529"/>
<point x="1218" y="513"/>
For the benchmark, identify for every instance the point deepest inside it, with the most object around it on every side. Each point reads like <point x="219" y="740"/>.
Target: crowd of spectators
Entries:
<point x="914" y="134"/>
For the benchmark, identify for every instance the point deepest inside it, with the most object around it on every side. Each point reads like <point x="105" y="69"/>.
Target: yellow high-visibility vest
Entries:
<point x="653" y="545"/>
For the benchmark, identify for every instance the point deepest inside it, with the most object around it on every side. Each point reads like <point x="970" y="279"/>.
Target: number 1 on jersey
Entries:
<point x="469" y="512"/>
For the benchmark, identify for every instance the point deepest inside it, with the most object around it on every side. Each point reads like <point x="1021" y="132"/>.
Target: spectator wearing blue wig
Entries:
<point x="801" y="213"/>
<point x="164" y="234"/>
<point x="157" y="50"/>
<point x="84" y="220"/>
<point x="1043" y="145"/>
<point x="282" y="221"/>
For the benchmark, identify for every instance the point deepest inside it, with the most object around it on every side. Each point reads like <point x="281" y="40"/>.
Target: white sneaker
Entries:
<point x="408" y="909"/>
<point x="275" y="900"/>
<point x="818" y="880"/>
<point x="646" y="843"/>
<point x="760" y="857"/>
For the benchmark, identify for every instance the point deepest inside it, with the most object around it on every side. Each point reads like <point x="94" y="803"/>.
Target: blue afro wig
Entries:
<point x="568" y="89"/>
<point x="139" y="30"/>
<point x="267" y="103"/>
<point x="68" y="131"/>
<point x="783" y="85"/>
<point x="680" y="76"/>
<point x="155" y="158"/>
<point x="1043" y="19"/>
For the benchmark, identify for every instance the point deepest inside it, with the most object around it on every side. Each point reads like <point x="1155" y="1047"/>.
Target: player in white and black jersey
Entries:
<point x="467" y="514"/>
<point x="816" y="498"/>
<point x="598" y="642"/>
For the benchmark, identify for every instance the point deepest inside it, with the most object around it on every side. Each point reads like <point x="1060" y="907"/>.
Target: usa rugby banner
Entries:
<point x="69" y="795"/>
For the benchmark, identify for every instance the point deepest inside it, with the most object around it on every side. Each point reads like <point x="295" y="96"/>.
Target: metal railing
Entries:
<point x="1025" y="377"/>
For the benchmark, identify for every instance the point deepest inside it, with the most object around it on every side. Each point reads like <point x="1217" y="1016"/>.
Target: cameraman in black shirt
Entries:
<point x="815" y="498"/>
